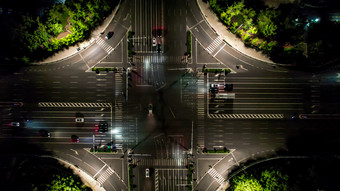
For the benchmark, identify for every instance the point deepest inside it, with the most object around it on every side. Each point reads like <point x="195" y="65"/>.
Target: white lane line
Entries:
<point x="88" y="67"/>
<point x="100" y="170"/>
<point x="220" y="49"/>
<point x="74" y="151"/>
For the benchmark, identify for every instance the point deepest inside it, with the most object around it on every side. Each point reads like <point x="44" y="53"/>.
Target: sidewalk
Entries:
<point x="72" y="50"/>
<point x="230" y="38"/>
<point x="86" y="178"/>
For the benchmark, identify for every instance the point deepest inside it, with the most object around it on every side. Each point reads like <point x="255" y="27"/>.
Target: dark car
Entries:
<point x="228" y="87"/>
<point x="159" y="32"/>
<point x="44" y="133"/>
<point x="159" y="48"/>
<point x="109" y="35"/>
<point x="74" y="139"/>
<point x="103" y="127"/>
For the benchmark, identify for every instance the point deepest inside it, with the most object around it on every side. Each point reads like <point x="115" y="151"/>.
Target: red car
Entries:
<point x="74" y="139"/>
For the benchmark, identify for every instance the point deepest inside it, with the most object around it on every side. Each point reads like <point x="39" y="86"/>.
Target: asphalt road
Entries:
<point x="181" y="103"/>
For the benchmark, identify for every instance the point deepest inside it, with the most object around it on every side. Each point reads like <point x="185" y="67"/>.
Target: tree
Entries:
<point x="65" y="183"/>
<point x="247" y="183"/>
<point x="266" y="24"/>
<point x="274" y="180"/>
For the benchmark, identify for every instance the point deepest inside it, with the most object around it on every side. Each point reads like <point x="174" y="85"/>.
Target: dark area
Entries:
<point x="25" y="166"/>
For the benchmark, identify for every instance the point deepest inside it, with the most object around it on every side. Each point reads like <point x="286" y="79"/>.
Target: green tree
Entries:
<point x="65" y="184"/>
<point x="266" y="24"/>
<point x="247" y="183"/>
<point x="274" y="180"/>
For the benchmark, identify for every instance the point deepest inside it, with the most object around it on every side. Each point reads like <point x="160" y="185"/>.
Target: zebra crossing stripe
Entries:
<point x="214" y="45"/>
<point x="213" y="173"/>
<point x="104" y="45"/>
<point x="68" y="104"/>
<point x="103" y="177"/>
<point x="246" y="116"/>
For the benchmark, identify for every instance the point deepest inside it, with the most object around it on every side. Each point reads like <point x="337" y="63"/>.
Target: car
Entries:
<point x="103" y="127"/>
<point x="150" y="108"/>
<point x="44" y="133"/>
<point x="159" y="32"/>
<point x="228" y="87"/>
<point x="79" y="120"/>
<point x="159" y="48"/>
<point x="109" y="35"/>
<point x="74" y="139"/>
<point x="214" y="88"/>
<point x="147" y="173"/>
<point x="14" y="124"/>
<point x="154" y="41"/>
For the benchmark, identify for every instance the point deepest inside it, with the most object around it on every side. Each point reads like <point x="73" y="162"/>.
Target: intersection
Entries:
<point x="185" y="118"/>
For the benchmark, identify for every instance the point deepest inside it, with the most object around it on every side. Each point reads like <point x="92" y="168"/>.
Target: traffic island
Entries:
<point x="188" y="53"/>
<point x="190" y="176"/>
<point x="98" y="70"/>
<point x="131" y="186"/>
<point x="216" y="151"/>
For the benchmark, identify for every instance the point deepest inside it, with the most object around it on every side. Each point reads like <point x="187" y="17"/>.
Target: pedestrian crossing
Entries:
<point x="160" y="162"/>
<point x="103" y="177"/>
<point x="246" y="116"/>
<point x="200" y="110"/>
<point x="119" y="96"/>
<point x="73" y="104"/>
<point x="159" y="59"/>
<point x="213" y="173"/>
<point x="103" y="44"/>
<point x="211" y="48"/>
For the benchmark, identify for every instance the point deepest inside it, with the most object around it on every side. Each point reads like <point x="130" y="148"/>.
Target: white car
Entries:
<point x="147" y="173"/>
<point x="79" y="120"/>
<point x="14" y="124"/>
<point x="154" y="41"/>
<point x="150" y="108"/>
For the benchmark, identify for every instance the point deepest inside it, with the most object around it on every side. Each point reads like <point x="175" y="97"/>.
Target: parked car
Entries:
<point x="109" y="35"/>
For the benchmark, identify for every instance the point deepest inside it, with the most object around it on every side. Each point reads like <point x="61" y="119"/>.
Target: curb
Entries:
<point x="85" y="177"/>
<point x="237" y="50"/>
<point x="91" y="41"/>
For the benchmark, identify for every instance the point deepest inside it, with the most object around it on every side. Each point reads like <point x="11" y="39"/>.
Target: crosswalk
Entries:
<point x="171" y="179"/>
<point x="73" y="104"/>
<point x="159" y="59"/>
<point x="246" y="116"/>
<point x="200" y="111"/>
<point x="102" y="43"/>
<point x="119" y="95"/>
<point x="160" y="162"/>
<point x="103" y="177"/>
<point x="213" y="173"/>
<point x="211" y="48"/>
